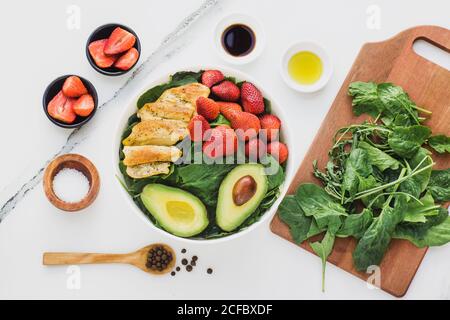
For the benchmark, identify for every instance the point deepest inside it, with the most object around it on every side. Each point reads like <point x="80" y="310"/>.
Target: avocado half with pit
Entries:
<point x="240" y="194"/>
<point x="177" y="211"/>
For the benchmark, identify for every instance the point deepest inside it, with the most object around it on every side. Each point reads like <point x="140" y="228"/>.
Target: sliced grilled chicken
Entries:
<point x="160" y="132"/>
<point x="148" y="169"/>
<point x="135" y="155"/>
<point x="176" y="103"/>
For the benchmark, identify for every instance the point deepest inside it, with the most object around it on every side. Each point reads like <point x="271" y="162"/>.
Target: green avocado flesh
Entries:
<point x="236" y="204"/>
<point x="177" y="211"/>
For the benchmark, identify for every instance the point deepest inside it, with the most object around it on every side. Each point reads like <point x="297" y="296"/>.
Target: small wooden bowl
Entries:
<point x="77" y="162"/>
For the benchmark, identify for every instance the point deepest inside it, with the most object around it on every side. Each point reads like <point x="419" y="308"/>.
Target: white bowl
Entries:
<point x="130" y="108"/>
<point x="320" y="52"/>
<point x="248" y="21"/>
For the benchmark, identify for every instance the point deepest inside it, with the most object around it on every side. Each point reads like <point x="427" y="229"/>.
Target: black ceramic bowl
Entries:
<point x="103" y="32"/>
<point x="52" y="90"/>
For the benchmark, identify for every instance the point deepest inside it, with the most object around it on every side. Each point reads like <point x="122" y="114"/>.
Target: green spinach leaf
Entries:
<point x="323" y="250"/>
<point x="379" y="158"/>
<point x="440" y="143"/>
<point x="356" y="224"/>
<point x="292" y="214"/>
<point x="416" y="212"/>
<point x="434" y="232"/>
<point x="405" y="141"/>
<point x="356" y="166"/>
<point x="419" y="182"/>
<point x="439" y="185"/>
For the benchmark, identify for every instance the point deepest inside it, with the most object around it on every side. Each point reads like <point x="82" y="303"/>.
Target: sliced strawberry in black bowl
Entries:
<point x="70" y="101"/>
<point x="113" y="49"/>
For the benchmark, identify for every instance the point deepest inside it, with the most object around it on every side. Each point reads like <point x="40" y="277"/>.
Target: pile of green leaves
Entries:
<point x="201" y="179"/>
<point x="378" y="184"/>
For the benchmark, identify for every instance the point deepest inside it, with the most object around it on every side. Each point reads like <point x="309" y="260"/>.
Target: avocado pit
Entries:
<point x="243" y="190"/>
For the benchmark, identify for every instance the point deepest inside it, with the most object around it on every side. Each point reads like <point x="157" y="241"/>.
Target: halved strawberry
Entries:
<point x="127" y="60"/>
<point x="119" y="41"/>
<point x="252" y="99"/>
<point x="278" y="150"/>
<point x="211" y="77"/>
<point x="197" y="127"/>
<point x="246" y="124"/>
<point x="271" y="124"/>
<point x="100" y="58"/>
<point x="255" y="148"/>
<point x="61" y="108"/>
<point x="73" y="87"/>
<point x="227" y="91"/>
<point x="84" y="105"/>
<point x="207" y="108"/>
<point x="226" y="107"/>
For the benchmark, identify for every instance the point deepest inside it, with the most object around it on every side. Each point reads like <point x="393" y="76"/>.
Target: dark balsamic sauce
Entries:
<point x="238" y="40"/>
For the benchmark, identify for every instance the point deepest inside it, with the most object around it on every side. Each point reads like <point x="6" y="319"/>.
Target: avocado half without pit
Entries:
<point x="240" y="194"/>
<point x="177" y="211"/>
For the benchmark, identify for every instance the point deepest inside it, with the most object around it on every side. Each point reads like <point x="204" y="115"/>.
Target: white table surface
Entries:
<point x="38" y="47"/>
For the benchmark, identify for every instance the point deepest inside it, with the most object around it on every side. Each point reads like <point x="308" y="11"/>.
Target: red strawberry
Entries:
<point x="247" y="124"/>
<point x="100" y="58"/>
<point x="222" y="142"/>
<point x="61" y="108"/>
<point x="119" y="41"/>
<point x="197" y="127"/>
<point x="73" y="87"/>
<point x="252" y="99"/>
<point x="278" y="150"/>
<point x="225" y="108"/>
<point x="207" y="108"/>
<point x="227" y="91"/>
<point x="127" y="60"/>
<point x="271" y="124"/>
<point x="84" y="105"/>
<point x="254" y="148"/>
<point x="211" y="77"/>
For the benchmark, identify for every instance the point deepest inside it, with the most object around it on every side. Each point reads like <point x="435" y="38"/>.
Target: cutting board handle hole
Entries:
<point x="432" y="53"/>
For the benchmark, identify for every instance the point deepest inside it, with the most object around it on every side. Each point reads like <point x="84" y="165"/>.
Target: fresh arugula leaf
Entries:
<point x="405" y="141"/>
<point x="440" y="143"/>
<point x="356" y="224"/>
<point x="356" y="166"/>
<point x="292" y="214"/>
<point x="323" y="250"/>
<point x="378" y="158"/>
<point x="434" y="232"/>
<point x="439" y="185"/>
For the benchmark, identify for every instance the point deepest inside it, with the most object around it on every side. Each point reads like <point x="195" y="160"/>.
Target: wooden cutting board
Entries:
<point x="428" y="85"/>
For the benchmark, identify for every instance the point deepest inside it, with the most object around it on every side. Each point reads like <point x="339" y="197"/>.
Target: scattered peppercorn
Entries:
<point x="209" y="271"/>
<point x="158" y="258"/>
<point x="193" y="263"/>
<point x="184" y="262"/>
<point x="183" y="250"/>
<point x="173" y="273"/>
<point x="194" y="258"/>
<point x="189" y="268"/>
<point x="178" y="269"/>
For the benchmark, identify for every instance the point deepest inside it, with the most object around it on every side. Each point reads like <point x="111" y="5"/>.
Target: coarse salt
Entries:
<point x="70" y="185"/>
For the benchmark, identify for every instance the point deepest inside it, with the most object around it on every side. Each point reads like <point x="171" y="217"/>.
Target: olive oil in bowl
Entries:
<point x="305" y="67"/>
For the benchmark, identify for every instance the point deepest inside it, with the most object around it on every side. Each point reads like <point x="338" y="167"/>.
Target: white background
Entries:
<point x="38" y="47"/>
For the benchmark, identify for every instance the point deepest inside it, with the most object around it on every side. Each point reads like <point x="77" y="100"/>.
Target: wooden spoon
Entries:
<point x="137" y="258"/>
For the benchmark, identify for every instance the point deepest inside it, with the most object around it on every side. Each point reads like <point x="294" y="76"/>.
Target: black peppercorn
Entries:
<point x="188" y="268"/>
<point x="184" y="262"/>
<point x="209" y="270"/>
